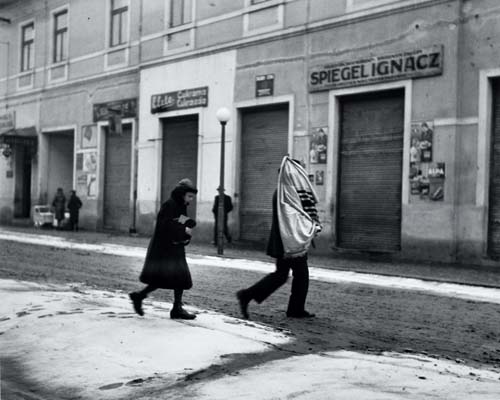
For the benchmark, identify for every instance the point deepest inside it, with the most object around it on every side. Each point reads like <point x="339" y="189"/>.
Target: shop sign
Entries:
<point x="6" y="122"/>
<point x="409" y="64"/>
<point x="179" y="100"/>
<point x="125" y="108"/>
<point x="264" y="85"/>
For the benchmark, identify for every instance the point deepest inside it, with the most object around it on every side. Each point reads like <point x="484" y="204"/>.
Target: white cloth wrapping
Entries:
<point x="296" y="209"/>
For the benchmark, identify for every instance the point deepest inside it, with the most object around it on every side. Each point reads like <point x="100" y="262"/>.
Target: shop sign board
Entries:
<point x="124" y="108"/>
<point x="264" y="85"/>
<point x="179" y="100"/>
<point x="403" y="65"/>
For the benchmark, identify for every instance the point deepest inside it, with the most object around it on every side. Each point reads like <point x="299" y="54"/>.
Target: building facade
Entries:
<point x="390" y="105"/>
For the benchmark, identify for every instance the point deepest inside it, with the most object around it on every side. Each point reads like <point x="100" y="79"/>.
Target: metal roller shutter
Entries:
<point x="264" y="143"/>
<point x="371" y="154"/>
<point x="118" y="163"/>
<point x="180" y="155"/>
<point x="494" y="201"/>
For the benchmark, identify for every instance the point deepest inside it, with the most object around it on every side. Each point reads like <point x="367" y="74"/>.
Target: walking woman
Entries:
<point x="165" y="266"/>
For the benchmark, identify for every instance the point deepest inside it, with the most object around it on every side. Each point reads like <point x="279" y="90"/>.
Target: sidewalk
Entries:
<point x="68" y="341"/>
<point x="486" y="276"/>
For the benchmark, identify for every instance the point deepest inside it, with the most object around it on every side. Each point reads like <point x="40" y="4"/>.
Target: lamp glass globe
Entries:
<point x="223" y="114"/>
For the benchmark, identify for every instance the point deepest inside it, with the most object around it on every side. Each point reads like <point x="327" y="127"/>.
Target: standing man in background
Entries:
<point x="228" y="207"/>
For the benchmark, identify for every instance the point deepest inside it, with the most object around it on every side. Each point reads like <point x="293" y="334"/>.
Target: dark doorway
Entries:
<point x="179" y="154"/>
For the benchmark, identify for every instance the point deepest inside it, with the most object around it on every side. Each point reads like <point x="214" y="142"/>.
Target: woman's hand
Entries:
<point x="188" y="230"/>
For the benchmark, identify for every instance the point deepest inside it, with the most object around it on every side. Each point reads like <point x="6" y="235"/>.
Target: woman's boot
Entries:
<point x="177" y="311"/>
<point x="137" y="298"/>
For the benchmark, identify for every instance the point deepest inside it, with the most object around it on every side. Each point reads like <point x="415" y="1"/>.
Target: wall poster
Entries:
<point x="426" y="177"/>
<point x="86" y="173"/>
<point x="318" y="145"/>
<point x="89" y="137"/>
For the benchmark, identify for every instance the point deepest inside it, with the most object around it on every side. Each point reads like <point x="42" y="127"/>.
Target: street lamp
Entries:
<point x="223" y="116"/>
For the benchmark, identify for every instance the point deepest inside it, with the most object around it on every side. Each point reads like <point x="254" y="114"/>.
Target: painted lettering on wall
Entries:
<point x="186" y="98"/>
<point x="409" y="64"/>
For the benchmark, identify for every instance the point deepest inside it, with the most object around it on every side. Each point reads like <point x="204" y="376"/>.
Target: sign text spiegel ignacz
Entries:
<point x="409" y="64"/>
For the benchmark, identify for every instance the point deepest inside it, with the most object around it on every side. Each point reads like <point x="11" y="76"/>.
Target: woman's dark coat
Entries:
<point x="165" y="265"/>
<point x="59" y="205"/>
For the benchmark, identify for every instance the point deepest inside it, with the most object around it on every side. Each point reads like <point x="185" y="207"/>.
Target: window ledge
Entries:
<point x="118" y="47"/>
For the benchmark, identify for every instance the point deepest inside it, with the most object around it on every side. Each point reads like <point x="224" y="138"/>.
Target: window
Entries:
<point x="60" y="36"/>
<point x="27" y="46"/>
<point x="119" y="11"/>
<point x="180" y="12"/>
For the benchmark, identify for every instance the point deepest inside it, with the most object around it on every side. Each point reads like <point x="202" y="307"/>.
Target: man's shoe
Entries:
<point x="137" y="302"/>
<point x="179" y="313"/>
<point x="302" y="314"/>
<point x="243" y="303"/>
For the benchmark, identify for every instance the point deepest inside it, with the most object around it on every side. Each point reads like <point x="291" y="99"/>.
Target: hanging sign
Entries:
<point x="403" y="65"/>
<point x="179" y="100"/>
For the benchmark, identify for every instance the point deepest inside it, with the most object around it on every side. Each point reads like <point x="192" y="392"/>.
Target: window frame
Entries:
<point x="123" y="17"/>
<point x="60" y="50"/>
<point x="183" y="9"/>
<point x="27" y="44"/>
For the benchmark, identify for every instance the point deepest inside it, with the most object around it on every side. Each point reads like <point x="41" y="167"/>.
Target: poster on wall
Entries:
<point x="90" y="161"/>
<point x="421" y="141"/>
<point x="89" y="137"/>
<point x="320" y="178"/>
<point x="87" y="178"/>
<point x="91" y="185"/>
<point x="79" y="162"/>
<point x="318" y="146"/>
<point x="428" y="182"/>
<point x="436" y="181"/>
<point x="425" y="180"/>
<point x="81" y="182"/>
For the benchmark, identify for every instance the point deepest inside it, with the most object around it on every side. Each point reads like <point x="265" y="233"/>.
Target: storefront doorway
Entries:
<point x="60" y="162"/>
<point x="370" y="171"/>
<point x="22" y="195"/>
<point x="264" y="142"/>
<point x="179" y="154"/>
<point x="117" y="213"/>
<point x="494" y="196"/>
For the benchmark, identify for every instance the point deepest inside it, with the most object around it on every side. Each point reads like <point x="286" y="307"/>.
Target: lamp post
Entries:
<point x="222" y="115"/>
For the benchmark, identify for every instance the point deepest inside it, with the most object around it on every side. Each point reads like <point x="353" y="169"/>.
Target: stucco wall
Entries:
<point x="217" y="72"/>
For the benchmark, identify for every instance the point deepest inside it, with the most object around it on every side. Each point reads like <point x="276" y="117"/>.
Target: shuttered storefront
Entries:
<point x="180" y="155"/>
<point x="264" y="142"/>
<point x="370" y="172"/>
<point x="494" y="201"/>
<point x="117" y="176"/>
